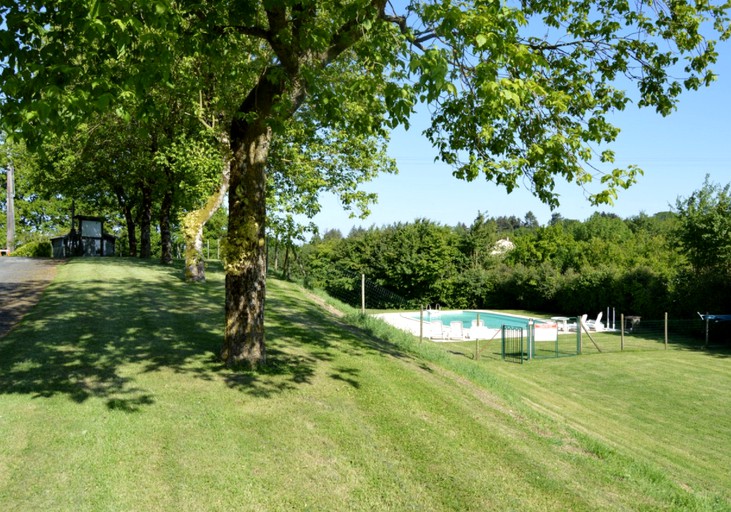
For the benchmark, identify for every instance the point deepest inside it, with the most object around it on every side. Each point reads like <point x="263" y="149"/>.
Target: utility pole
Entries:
<point x="10" y="245"/>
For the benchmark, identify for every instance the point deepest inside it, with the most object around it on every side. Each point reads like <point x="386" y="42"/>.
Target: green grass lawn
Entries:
<point x="111" y="398"/>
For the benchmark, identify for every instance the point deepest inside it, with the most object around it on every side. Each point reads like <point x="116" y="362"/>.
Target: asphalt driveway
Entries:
<point x="22" y="280"/>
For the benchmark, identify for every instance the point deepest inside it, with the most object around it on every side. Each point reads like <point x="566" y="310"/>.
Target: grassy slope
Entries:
<point x="111" y="399"/>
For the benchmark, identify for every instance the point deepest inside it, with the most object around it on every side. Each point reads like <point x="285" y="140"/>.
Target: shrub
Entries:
<point x="37" y="249"/>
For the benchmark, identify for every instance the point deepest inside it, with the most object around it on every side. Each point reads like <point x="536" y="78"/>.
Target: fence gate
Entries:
<point x="514" y="348"/>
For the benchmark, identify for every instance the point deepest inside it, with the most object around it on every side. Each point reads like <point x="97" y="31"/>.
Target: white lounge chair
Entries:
<point x="582" y="321"/>
<point x="456" y="331"/>
<point x="437" y="330"/>
<point x="595" y="325"/>
<point x="478" y="330"/>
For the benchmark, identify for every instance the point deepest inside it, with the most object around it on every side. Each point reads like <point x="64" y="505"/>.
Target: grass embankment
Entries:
<point x="111" y="398"/>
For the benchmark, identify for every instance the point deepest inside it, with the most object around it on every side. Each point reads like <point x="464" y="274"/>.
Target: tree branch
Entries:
<point x="416" y="39"/>
<point x="258" y="32"/>
<point x="351" y="32"/>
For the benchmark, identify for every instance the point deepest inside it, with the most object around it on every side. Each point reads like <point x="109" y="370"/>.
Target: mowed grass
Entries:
<point x="111" y="398"/>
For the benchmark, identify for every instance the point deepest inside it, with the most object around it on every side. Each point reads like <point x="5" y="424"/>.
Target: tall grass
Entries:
<point x="111" y="398"/>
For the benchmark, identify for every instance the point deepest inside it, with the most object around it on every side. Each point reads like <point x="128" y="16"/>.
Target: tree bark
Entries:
<point x="166" y="237"/>
<point x="276" y="253"/>
<point x="245" y="255"/>
<point x="277" y="95"/>
<point x="146" y="222"/>
<point x="193" y="223"/>
<point x="245" y="247"/>
<point x="128" y="219"/>
<point x="285" y="266"/>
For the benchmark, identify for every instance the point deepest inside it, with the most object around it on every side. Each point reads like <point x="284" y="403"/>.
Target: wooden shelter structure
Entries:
<point x="87" y="238"/>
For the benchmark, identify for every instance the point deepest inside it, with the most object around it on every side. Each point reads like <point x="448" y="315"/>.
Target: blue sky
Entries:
<point x="676" y="153"/>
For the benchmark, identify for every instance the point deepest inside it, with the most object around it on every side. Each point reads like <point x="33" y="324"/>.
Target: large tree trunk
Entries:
<point x="146" y="222"/>
<point x="193" y="223"/>
<point x="245" y="247"/>
<point x="276" y="253"/>
<point x="166" y="237"/>
<point x="131" y="231"/>
<point x="285" y="267"/>
<point x="128" y="219"/>
<point x="245" y="254"/>
<point x="277" y="95"/>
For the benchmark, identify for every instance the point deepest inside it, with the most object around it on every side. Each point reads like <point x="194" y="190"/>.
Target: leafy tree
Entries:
<point x="601" y="226"/>
<point x="531" y="221"/>
<point x="102" y="164"/>
<point x="507" y="224"/>
<point x="704" y="229"/>
<point x="332" y="234"/>
<point x="552" y="244"/>
<point x="556" y="218"/>
<point x="37" y="215"/>
<point x="416" y="258"/>
<point x="516" y="91"/>
<point x="200" y="167"/>
<point x="479" y="240"/>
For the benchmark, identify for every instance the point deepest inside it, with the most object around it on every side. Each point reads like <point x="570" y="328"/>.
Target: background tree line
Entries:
<point x="677" y="261"/>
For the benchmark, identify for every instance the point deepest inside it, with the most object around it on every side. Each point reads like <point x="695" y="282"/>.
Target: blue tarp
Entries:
<point x="716" y="318"/>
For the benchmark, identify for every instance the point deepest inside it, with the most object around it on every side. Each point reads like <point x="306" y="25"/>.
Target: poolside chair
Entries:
<point x="477" y="330"/>
<point x="456" y="331"/>
<point x="595" y="325"/>
<point x="582" y="320"/>
<point x="437" y="330"/>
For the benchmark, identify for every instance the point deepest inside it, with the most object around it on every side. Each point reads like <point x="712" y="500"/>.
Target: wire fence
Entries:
<point x="644" y="335"/>
<point x="659" y="335"/>
<point x="358" y="291"/>
<point x="625" y="333"/>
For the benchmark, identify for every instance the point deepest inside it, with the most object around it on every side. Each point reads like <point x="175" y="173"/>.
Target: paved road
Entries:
<point x="21" y="282"/>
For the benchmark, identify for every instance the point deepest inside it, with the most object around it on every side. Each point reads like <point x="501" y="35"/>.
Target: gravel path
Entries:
<point x="22" y="280"/>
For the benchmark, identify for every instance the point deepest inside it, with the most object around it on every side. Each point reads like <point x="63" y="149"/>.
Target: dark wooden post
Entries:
<point x="621" y="336"/>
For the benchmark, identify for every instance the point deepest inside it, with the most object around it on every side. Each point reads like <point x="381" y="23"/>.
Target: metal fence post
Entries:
<point x="666" y="330"/>
<point x="531" y="338"/>
<point x="503" y="342"/>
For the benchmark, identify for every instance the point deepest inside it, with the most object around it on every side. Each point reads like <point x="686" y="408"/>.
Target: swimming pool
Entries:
<point x="491" y="319"/>
<point x="543" y="330"/>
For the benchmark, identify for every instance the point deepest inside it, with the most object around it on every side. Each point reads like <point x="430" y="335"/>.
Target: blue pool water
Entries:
<point x="490" y="318"/>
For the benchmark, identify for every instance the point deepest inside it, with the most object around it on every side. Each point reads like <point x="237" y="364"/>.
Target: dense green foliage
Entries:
<point x="37" y="249"/>
<point x="644" y="265"/>
<point x="37" y="214"/>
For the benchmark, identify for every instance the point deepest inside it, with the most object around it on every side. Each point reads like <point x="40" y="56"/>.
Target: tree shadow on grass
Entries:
<point x="93" y="338"/>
